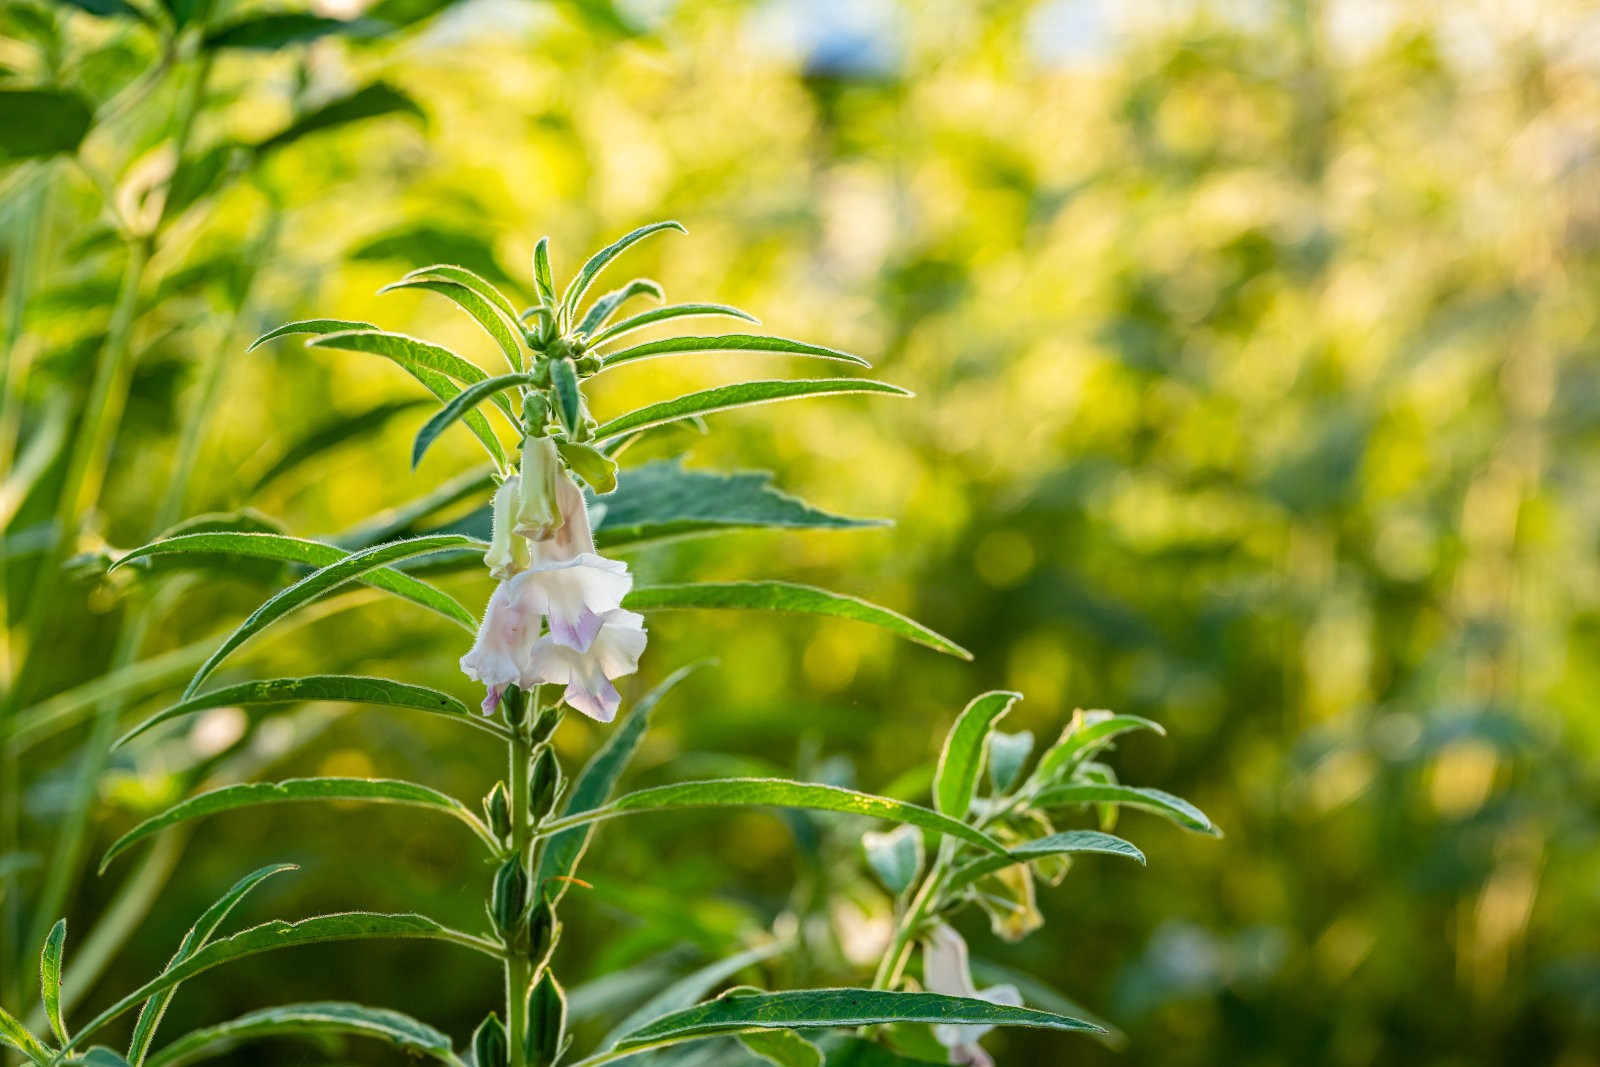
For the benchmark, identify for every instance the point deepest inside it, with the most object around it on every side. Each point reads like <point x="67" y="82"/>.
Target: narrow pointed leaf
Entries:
<point x="460" y="405"/>
<point x="602" y="310"/>
<point x="1174" y="808"/>
<point x="961" y="761"/>
<point x="291" y="791"/>
<point x="303" y="551"/>
<point x="777" y="793"/>
<point x="729" y="342"/>
<point x="1054" y="845"/>
<point x="320" y="582"/>
<point x="741" y="394"/>
<point x="467" y="279"/>
<point x="370" y="101"/>
<point x="1083" y="742"/>
<point x="684" y="992"/>
<point x="279" y="29"/>
<point x="599" y="261"/>
<point x="411" y="1037"/>
<point x="16" y="1035"/>
<point x="666" y="314"/>
<point x="543" y="280"/>
<point x="50" y="978"/>
<point x="338" y="431"/>
<point x="346" y="688"/>
<point x="786" y="597"/>
<point x="482" y="310"/>
<point x="310" y="326"/>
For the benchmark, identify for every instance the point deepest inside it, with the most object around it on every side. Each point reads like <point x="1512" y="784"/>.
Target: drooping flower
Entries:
<point x="945" y="970"/>
<point x="613" y="652"/>
<point x="498" y="656"/>
<point x="539" y="511"/>
<point x="507" y="553"/>
<point x="569" y="582"/>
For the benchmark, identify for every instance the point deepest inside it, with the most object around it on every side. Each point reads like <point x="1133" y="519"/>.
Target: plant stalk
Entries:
<point x="518" y="964"/>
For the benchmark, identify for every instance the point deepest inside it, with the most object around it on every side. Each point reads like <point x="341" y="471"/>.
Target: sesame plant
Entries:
<point x="564" y="623"/>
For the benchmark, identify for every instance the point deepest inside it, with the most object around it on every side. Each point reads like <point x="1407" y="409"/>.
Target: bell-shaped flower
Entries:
<point x="539" y="511"/>
<point x="499" y="655"/>
<point x="618" y="642"/>
<point x="568" y="581"/>
<point x="507" y="553"/>
<point x="945" y="970"/>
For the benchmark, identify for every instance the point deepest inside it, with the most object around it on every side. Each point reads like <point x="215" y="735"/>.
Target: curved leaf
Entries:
<point x="961" y="761"/>
<point x="543" y="280"/>
<point x="786" y="597"/>
<point x="301" y="550"/>
<point x="783" y="1048"/>
<point x="1054" y="845"/>
<point x="468" y="279"/>
<point x="1174" y="808"/>
<point x="598" y="262"/>
<point x="349" y="688"/>
<point x="279" y="29"/>
<point x="50" y="977"/>
<point x="17" y="1036"/>
<point x="664" y="314"/>
<point x="407" y="1034"/>
<point x="310" y="326"/>
<point x="691" y="987"/>
<point x="602" y="309"/>
<point x="319" y="582"/>
<point x="1088" y="733"/>
<point x="370" y="101"/>
<point x="332" y="433"/>
<point x="730" y="342"/>
<point x="460" y="405"/>
<point x="739" y="395"/>
<point x="490" y="312"/>
<point x="291" y="791"/>
<point x="776" y="793"/>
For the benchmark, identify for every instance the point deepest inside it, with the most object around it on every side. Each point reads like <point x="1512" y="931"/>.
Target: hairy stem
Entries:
<point x="518" y="965"/>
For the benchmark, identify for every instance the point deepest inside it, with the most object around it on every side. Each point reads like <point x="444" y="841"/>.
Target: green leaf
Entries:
<point x="543" y="280"/>
<point x="303" y="551"/>
<point x="684" y="992"/>
<point x="460" y="405"/>
<point x="961" y="761"/>
<point x="470" y="280"/>
<point x="858" y="1052"/>
<point x="411" y="1037"/>
<point x="292" y="791"/>
<point x="602" y="310"/>
<point x="371" y="101"/>
<point x="594" y="784"/>
<point x="1054" y="845"/>
<point x="100" y="1056"/>
<point x="786" y="597"/>
<point x="596" y="468"/>
<point x="775" y="793"/>
<point x="106" y="8"/>
<point x="474" y="304"/>
<point x="1174" y="808"/>
<point x="839" y="1008"/>
<point x="16" y="1035"/>
<point x="741" y="394"/>
<point x="319" y="582"/>
<point x="1087" y="734"/>
<point x="331" y="434"/>
<point x="1008" y="754"/>
<point x="730" y="342"/>
<point x="50" y="978"/>
<point x="569" y="401"/>
<point x="343" y="926"/>
<point x="310" y="326"/>
<point x="896" y="856"/>
<point x="665" y="314"/>
<point x="783" y="1048"/>
<point x="599" y="261"/>
<point x="348" y="688"/>
<point x="150" y="1014"/>
<point x="279" y="29"/>
<point x="661" y="500"/>
<point x="41" y="122"/>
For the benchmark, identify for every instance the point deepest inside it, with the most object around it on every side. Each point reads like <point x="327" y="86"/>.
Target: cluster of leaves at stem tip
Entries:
<point x="990" y="845"/>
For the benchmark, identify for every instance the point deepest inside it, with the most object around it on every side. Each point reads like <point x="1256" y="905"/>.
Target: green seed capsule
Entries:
<point x="497" y="808"/>
<point x="547" y="1021"/>
<point x="509" y="901"/>
<point x="542" y="931"/>
<point x="489" y="1045"/>
<point x="543" y="783"/>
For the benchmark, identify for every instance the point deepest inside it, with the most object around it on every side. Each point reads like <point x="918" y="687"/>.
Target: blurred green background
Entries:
<point x="1254" y="346"/>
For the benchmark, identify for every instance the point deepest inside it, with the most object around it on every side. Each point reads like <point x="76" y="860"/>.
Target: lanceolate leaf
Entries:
<point x="471" y="280"/>
<point x="543" y="280"/>
<point x="338" y="431"/>
<point x="310" y="326"/>
<point x="459" y="405"/>
<point x="776" y="793"/>
<point x="786" y="597"/>
<point x="742" y="394"/>
<point x="598" y="262"/>
<point x="474" y="304"/>
<point x="1174" y="808"/>
<point x="50" y="977"/>
<point x="327" y="1017"/>
<point x="16" y="1035"/>
<point x="348" y="688"/>
<point x="368" y="102"/>
<point x="961" y="762"/>
<point x="607" y="305"/>
<point x="296" y="790"/>
<point x="1054" y="845"/>
<point x="275" y="30"/>
<point x="319" y="582"/>
<point x="1090" y="736"/>
<point x="664" y="314"/>
<point x="731" y="342"/>
<point x="343" y="926"/>
<point x="783" y="1048"/>
<point x="690" y="988"/>
<point x="300" y="550"/>
<point x="594" y="785"/>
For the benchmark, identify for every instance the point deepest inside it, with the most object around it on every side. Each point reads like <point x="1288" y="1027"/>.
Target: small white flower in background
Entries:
<point x="945" y="970"/>
<point x="615" y="650"/>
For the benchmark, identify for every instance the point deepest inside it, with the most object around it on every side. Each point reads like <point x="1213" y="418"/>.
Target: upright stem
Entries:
<point x="518" y="965"/>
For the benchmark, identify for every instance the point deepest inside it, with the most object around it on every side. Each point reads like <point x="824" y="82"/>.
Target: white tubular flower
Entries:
<point x="945" y="970"/>
<point x="507" y="553"/>
<point x="618" y="642"/>
<point x="540" y="510"/>
<point x="497" y="656"/>
<point x="568" y="581"/>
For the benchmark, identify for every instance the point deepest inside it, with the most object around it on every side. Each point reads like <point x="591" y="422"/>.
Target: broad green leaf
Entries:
<point x="782" y="1048"/>
<point x="320" y="582"/>
<point x="343" y="926"/>
<point x="1174" y="808"/>
<point x="684" y="992"/>
<point x="543" y="280"/>
<point x="17" y="1036"/>
<point x="279" y="29"/>
<point x="665" y="314"/>
<point x="1054" y="845"/>
<point x="303" y="551"/>
<point x="775" y="793"/>
<point x="594" y="784"/>
<point x="741" y="394"/>
<point x="1087" y="734"/>
<point x="150" y="1014"/>
<point x="730" y="342"/>
<point x="839" y="1008"/>
<point x="41" y="122"/>
<point x="50" y="978"/>
<point x="602" y="310"/>
<point x="331" y="434"/>
<point x="895" y="856"/>
<point x="598" y="262"/>
<point x="411" y="1037"/>
<point x="458" y="407"/>
<point x="310" y="326"/>
<point x="368" y="102"/>
<point x="786" y="597"/>
<point x="1008" y="754"/>
<point x="347" y="688"/>
<point x="961" y="761"/>
<point x="293" y="791"/>
<point x="474" y="304"/>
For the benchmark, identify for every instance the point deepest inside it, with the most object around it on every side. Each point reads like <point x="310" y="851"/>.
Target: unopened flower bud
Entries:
<point x="544" y="781"/>
<point x="507" y="553"/>
<point x="509" y="901"/>
<point x="498" y="811"/>
<point x="489" y="1046"/>
<point x="547" y="1021"/>
<point x="546" y="725"/>
<point x="538" y="512"/>
<point x="542" y="932"/>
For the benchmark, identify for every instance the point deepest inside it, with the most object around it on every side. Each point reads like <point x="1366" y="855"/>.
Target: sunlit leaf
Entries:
<point x="271" y="31"/>
<point x="371" y="101"/>
<point x="326" y="1017"/>
<point x="1061" y="844"/>
<point x="460" y="405"/>
<point x="17" y="1036"/>
<point x="50" y="978"/>
<point x="599" y="261"/>
<point x="1174" y="808"/>
<point x="1087" y="734"/>
<point x="481" y="310"/>
<point x="730" y="342"/>
<point x="741" y="394"/>
<point x="310" y="326"/>
<point x="666" y="314"/>
<point x="602" y="310"/>
<point x="961" y="760"/>
<point x="684" y="992"/>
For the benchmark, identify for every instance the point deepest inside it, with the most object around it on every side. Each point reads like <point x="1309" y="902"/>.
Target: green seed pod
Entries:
<point x="544" y="727"/>
<point x="515" y="705"/>
<point x="509" y="901"/>
<point x="542" y="932"/>
<point x="588" y="365"/>
<point x="543" y="782"/>
<point x="547" y="1021"/>
<point x="497" y="808"/>
<point x="489" y="1046"/>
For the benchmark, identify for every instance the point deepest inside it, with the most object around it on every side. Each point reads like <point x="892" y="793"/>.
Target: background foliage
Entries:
<point x="1255" y="361"/>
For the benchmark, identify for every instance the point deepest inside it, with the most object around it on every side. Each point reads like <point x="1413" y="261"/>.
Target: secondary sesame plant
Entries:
<point x="563" y="623"/>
